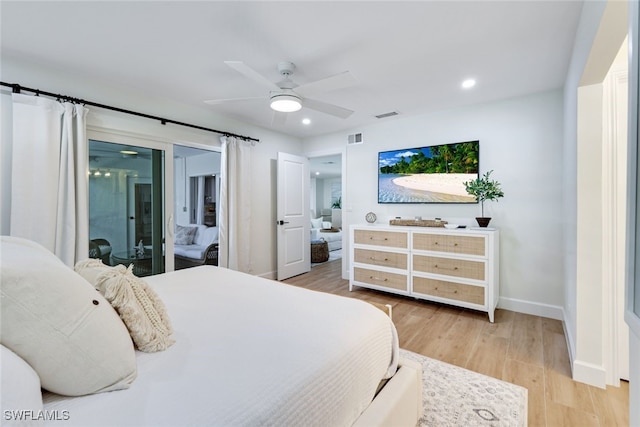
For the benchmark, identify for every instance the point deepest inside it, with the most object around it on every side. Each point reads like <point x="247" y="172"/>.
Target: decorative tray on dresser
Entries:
<point x="451" y="266"/>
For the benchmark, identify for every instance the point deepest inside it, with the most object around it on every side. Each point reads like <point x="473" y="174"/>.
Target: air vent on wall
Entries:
<point x="355" y="138"/>
<point x="384" y="115"/>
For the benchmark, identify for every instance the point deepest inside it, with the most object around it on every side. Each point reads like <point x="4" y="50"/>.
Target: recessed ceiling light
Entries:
<point x="306" y="121"/>
<point x="317" y="173"/>
<point x="469" y="83"/>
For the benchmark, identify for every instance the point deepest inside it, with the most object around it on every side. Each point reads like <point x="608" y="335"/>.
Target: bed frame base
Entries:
<point x="399" y="403"/>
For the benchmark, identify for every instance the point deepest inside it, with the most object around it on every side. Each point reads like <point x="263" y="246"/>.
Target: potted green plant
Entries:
<point x="484" y="188"/>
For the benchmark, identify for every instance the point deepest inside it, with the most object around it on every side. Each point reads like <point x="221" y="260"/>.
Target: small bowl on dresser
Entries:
<point x="451" y="226"/>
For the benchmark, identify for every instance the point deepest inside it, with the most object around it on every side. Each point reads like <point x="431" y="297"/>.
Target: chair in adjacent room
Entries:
<point x="100" y="249"/>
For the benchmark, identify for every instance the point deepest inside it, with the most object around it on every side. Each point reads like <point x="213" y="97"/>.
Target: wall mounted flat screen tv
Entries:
<point x="432" y="174"/>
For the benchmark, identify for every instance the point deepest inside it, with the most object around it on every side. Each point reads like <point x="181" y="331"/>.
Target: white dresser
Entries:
<point x="457" y="267"/>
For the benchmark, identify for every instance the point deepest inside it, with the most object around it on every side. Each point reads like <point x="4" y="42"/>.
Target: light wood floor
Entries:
<point x="526" y="350"/>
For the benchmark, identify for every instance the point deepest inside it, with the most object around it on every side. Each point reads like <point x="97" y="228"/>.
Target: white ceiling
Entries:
<point x="326" y="167"/>
<point x="409" y="57"/>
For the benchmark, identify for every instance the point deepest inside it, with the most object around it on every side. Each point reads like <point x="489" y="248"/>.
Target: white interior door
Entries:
<point x="293" y="219"/>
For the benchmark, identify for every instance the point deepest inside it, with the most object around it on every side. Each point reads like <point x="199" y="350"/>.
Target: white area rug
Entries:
<point x="453" y="396"/>
<point x="334" y="255"/>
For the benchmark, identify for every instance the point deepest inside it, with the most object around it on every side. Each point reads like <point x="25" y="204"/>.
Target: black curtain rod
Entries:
<point x="16" y="88"/>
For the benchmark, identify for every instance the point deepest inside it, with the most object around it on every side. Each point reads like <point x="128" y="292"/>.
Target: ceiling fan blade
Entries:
<point x="338" y="81"/>
<point x="252" y="74"/>
<point x="330" y="109"/>
<point x="278" y="119"/>
<point x="228" y="100"/>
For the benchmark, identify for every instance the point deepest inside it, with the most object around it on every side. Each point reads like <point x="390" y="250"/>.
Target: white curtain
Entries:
<point x="235" y="205"/>
<point x="49" y="191"/>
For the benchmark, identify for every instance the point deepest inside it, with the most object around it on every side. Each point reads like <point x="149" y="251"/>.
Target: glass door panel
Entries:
<point x="197" y="195"/>
<point x="126" y="206"/>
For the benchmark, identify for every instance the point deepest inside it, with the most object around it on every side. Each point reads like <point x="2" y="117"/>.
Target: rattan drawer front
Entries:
<point x="381" y="238"/>
<point x="469" y="245"/>
<point x="449" y="267"/>
<point x="449" y="290"/>
<point x="380" y="278"/>
<point x="385" y="259"/>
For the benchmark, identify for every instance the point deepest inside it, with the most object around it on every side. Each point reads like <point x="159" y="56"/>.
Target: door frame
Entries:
<point x="614" y="226"/>
<point x="133" y="139"/>
<point x="345" y="208"/>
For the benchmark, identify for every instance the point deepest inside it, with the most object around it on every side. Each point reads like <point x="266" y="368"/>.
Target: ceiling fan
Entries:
<point x="286" y="96"/>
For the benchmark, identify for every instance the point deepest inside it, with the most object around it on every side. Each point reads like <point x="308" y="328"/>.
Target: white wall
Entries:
<point x="207" y="163"/>
<point x="521" y="140"/>
<point x="263" y="170"/>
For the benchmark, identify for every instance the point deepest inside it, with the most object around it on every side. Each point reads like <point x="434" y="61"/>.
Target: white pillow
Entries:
<point x="326" y="224"/>
<point x="21" y="394"/>
<point x="139" y="306"/>
<point x="184" y="235"/>
<point x="210" y="235"/>
<point x="60" y="325"/>
<point x="316" y="223"/>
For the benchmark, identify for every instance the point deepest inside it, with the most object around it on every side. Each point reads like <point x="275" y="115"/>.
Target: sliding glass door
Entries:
<point x="130" y="203"/>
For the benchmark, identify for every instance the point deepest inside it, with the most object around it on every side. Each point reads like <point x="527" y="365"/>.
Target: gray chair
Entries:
<point x="100" y="249"/>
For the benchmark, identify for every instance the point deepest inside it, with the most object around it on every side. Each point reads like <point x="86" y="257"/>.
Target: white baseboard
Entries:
<point x="568" y="336"/>
<point x="589" y="373"/>
<point x="534" y="308"/>
<point x="269" y="275"/>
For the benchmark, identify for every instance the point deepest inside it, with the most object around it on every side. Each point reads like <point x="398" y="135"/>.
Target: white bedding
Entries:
<point x="249" y="351"/>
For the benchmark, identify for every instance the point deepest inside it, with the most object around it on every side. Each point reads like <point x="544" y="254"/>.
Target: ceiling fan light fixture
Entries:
<point x="285" y="103"/>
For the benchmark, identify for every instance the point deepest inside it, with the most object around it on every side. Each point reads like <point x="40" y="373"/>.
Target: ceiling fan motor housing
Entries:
<point x="286" y="68"/>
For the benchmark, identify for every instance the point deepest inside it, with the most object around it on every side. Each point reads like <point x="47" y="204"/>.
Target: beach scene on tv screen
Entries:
<point x="432" y="174"/>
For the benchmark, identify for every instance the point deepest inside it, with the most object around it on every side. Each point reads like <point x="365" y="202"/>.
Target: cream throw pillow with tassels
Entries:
<point x="138" y="305"/>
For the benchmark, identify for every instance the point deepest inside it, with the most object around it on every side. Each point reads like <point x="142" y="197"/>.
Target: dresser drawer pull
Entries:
<point x="372" y="258"/>
<point x="445" y="268"/>
<point x="378" y="278"/>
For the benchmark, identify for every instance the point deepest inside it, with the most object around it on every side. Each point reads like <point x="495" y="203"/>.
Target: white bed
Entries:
<point x="251" y="351"/>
